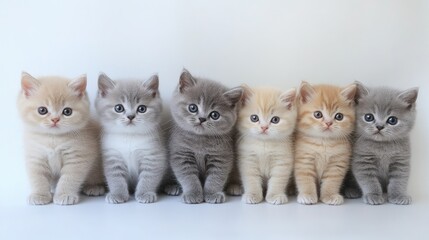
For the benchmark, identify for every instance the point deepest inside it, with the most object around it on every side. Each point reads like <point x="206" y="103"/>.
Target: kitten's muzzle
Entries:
<point x="202" y="119"/>
<point x="131" y="117"/>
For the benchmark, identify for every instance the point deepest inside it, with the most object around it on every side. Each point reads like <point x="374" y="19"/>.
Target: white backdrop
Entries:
<point x="275" y="43"/>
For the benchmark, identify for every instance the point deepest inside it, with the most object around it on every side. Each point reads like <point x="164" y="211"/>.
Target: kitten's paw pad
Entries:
<point x="352" y="193"/>
<point x="307" y="199"/>
<point x="148" y="197"/>
<point x="252" y="198"/>
<point x="373" y="199"/>
<point x="277" y="199"/>
<point x="400" y="199"/>
<point x="66" y="199"/>
<point x="335" y="199"/>
<point x="173" y="190"/>
<point x="192" y="198"/>
<point x="218" y="197"/>
<point x="39" y="199"/>
<point x="116" y="198"/>
<point x="94" y="190"/>
<point x="234" y="190"/>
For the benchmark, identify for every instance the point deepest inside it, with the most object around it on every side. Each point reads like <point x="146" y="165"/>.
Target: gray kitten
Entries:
<point x="201" y="143"/>
<point x="381" y="154"/>
<point x="134" y="153"/>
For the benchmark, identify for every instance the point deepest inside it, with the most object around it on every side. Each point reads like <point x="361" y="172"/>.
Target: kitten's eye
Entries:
<point x="254" y="118"/>
<point x="339" y="116"/>
<point x="214" y="115"/>
<point x="119" y="108"/>
<point x="318" y="114"/>
<point x="193" y="108"/>
<point x="142" y="109"/>
<point x="275" y="119"/>
<point x="392" y="120"/>
<point x="67" y="111"/>
<point x="369" y="117"/>
<point x="42" y="110"/>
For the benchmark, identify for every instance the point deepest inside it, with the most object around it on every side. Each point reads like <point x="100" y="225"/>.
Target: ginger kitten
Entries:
<point x="326" y="119"/>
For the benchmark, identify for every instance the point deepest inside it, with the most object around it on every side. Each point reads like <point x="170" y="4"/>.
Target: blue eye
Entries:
<point x="67" y="111"/>
<point x="275" y="119"/>
<point x="318" y="114"/>
<point x="42" y="110"/>
<point x="254" y="118"/>
<point x="339" y="116"/>
<point x="392" y="120"/>
<point x="369" y="117"/>
<point x="142" y="109"/>
<point x="193" y="108"/>
<point x="215" y="115"/>
<point x="119" y="108"/>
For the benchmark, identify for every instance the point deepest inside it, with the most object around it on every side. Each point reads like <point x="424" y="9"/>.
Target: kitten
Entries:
<point x="381" y="154"/>
<point x="201" y="143"/>
<point x="266" y="124"/>
<point x="61" y="141"/>
<point x="325" y="121"/>
<point x="134" y="154"/>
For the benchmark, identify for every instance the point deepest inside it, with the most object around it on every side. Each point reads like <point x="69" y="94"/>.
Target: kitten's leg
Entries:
<point x="351" y="188"/>
<point x="365" y="171"/>
<point x="252" y="180"/>
<point x="40" y="177"/>
<point x="332" y="178"/>
<point x="218" y="170"/>
<point x="305" y="178"/>
<point x="398" y="180"/>
<point x="186" y="170"/>
<point x="234" y="186"/>
<point x="95" y="182"/>
<point x="279" y="177"/>
<point x="170" y="185"/>
<point x="116" y="175"/>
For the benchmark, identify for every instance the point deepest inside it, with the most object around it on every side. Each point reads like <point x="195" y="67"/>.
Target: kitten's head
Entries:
<point x="128" y="105"/>
<point x="326" y="111"/>
<point x="53" y="104"/>
<point x="385" y="114"/>
<point x="267" y="113"/>
<point x="204" y="107"/>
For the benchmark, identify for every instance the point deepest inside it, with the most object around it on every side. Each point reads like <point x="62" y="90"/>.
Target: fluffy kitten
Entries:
<point x="381" y="154"/>
<point x="134" y="154"/>
<point x="325" y="121"/>
<point x="266" y="124"/>
<point x="201" y="143"/>
<point x="61" y="141"/>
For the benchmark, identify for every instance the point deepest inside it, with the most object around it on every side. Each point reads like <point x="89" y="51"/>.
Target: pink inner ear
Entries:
<point x="27" y="87"/>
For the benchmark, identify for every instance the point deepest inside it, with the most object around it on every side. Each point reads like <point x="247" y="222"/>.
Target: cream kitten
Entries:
<point x="61" y="141"/>
<point x="265" y="147"/>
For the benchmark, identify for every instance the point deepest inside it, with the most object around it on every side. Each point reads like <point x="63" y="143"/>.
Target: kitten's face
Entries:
<point x="326" y="111"/>
<point x="204" y="107"/>
<point x="128" y="106"/>
<point x="53" y="105"/>
<point x="385" y="114"/>
<point x="267" y="113"/>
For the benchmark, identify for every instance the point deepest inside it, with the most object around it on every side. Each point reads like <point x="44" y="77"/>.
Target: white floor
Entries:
<point x="171" y="219"/>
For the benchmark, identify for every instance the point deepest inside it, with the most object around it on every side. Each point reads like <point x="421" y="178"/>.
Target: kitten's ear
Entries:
<point x="78" y="85"/>
<point x="186" y="81"/>
<point x="306" y="92"/>
<point x="361" y="91"/>
<point x="288" y="98"/>
<point x="105" y="84"/>
<point x="247" y="94"/>
<point x="234" y="95"/>
<point x="29" y="84"/>
<point x="349" y="93"/>
<point x="152" y="84"/>
<point x="409" y="96"/>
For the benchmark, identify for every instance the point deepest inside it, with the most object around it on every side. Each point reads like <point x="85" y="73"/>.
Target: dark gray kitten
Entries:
<point x="381" y="154"/>
<point x="201" y="143"/>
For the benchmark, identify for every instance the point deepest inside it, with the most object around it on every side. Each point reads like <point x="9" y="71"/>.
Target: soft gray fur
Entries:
<point x="381" y="158"/>
<point x="134" y="153"/>
<point x="202" y="153"/>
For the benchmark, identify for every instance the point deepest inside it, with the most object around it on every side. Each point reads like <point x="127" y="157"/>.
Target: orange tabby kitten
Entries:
<point x="325" y="121"/>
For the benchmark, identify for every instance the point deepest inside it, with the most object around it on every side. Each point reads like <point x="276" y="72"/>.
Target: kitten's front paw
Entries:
<point x="400" y="199"/>
<point x="334" y="199"/>
<point x="192" y="197"/>
<point x="250" y="198"/>
<point x="307" y="199"/>
<point x="218" y="197"/>
<point x="66" y="199"/>
<point x="39" y="199"/>
<point x="94" y="190"/>
<point x="373" y="199"/>
<point x="276" y="199"/>
<point x="234" y="190"/>
<point x="173" y="190"/>
<point x="148" y="197"/>
<point x="352" y="193"/>
<point x="117" y="198"/>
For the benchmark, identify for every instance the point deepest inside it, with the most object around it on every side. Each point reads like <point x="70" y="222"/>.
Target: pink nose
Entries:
<point x="55" y="120"/>
<point x="328" y="124"/>
<point x="264" y="128"/>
